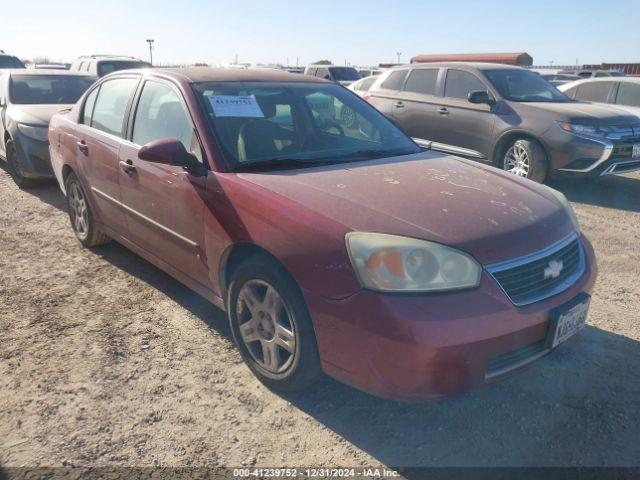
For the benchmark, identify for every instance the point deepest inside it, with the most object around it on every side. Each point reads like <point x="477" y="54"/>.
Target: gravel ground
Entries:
<point x="105" y="360"/>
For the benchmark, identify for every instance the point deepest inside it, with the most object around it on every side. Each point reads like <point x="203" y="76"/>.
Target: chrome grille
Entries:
<point x="542" y="274"/>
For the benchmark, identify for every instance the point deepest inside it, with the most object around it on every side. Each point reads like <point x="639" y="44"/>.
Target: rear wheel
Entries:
<point x="80" y="214"/>
<point x="526" y="158"/>
<point x="15" y="169"/>
<point x="271" y="325"/>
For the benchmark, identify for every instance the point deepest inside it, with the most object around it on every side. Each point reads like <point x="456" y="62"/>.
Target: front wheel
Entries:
<point x="14" y="167"/>
<point x="526" y="158"/>
<point x="271" y="325"/>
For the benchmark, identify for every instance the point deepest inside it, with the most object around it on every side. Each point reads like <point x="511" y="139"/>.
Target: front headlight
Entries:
<point x="37" y="133"/>
<point x="567" y="206"/>
<point x="600" y="131"/>
<point x="391" y="263"/>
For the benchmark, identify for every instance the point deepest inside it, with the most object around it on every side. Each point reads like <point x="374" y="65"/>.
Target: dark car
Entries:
<point x="342" y="75"/>
<point x="406" y="273"/>
<point x="506" y="116"/>
<point x="101" y="65"/>
<point x="9" y="61"/>
<point x="28" y="99"/>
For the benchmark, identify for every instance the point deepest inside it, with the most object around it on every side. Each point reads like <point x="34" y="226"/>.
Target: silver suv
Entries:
<point x="509" y="117"/>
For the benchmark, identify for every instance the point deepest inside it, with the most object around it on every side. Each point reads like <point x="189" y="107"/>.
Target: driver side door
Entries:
<point x="163" y="203"/>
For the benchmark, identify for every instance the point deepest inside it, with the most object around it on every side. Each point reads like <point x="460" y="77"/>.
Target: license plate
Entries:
<point x="635" y="153"/>
<point x="569" y="322"/>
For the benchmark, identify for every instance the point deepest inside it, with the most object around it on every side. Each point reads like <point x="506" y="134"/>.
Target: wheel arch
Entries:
<point x="509" y="137"/>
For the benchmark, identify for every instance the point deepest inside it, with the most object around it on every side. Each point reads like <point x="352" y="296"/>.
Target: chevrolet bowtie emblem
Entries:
<point x="554" y="269"/>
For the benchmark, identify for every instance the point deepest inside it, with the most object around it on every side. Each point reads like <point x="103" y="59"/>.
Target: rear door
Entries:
<point x="163" y="203"/>
<point x="387" y="96"/>
<point x="464" y="124"/>
<point x="99" y="136"/>
<point x="415" y="107"/>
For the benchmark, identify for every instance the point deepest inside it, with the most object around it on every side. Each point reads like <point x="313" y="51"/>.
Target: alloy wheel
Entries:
<point x="517" y="160"/>
<point x="266" y="326"/>
<point x="78" y="210"/>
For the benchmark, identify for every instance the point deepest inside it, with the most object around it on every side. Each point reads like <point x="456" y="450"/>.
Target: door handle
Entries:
<point x="398" y="104"/>
<point x="443" y="111"/>
<point x="128" y="167"/>
<point x="82" y="146"/>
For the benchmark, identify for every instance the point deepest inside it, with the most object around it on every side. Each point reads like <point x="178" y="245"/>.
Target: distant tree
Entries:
<point x="200" y="64"/>
<point x="323" y="62"/>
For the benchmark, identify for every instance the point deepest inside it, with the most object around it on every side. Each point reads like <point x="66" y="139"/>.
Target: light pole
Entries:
<point x="399" y="54"/>
<point x="150" y="42"/>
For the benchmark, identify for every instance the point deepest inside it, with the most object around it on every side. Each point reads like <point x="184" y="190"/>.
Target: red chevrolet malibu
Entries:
<point x="339" y="248"/>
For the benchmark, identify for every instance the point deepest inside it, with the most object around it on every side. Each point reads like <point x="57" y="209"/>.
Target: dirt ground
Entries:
<point x="105" y="360"/>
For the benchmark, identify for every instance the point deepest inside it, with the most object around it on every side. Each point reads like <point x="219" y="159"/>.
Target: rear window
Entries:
<point x="47" y="89"/>
<point x="395" y="80"/>
<point x="344" y="74"/>
<point x="594" y="91"/>
<point x="109" y="66"/>
<point x="423" y="81"/>
<point x="7" y="61"/>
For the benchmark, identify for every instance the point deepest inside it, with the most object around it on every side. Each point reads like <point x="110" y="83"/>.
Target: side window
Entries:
<point x="629" y="94"/>
<point x="460" y="84"/>
<point x="87" y="111"/>
<point x="162" y="114"/>
<point x="571" y="93"/>
<point x="594" y="91"/>
<point x="422" y="80"/>
<point x="312" y="71"/>
<point x="111" y="105"/>
<point x="322" y="72"/>
<point x="395" y="80"/>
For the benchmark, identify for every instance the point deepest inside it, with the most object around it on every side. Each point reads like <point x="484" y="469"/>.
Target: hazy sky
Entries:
<point x="359" y="32"/>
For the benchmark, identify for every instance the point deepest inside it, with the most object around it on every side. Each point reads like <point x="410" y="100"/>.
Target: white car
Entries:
<point x="361" y="87"/>
<point x="623" y="92"/>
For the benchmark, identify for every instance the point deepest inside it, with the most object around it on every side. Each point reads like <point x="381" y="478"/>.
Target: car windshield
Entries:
<point x="344" y="73"/>
<point x="266" y="124"/>
<point x="47" y="89"/>
<point x="524" y="86"/>
<point x="7" y="61"/>
<point x="109" y="66"/>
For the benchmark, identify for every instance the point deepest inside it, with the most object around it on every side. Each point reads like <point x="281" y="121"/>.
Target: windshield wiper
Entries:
<point x="373" y="154"/>
<point x="278" y="163"/>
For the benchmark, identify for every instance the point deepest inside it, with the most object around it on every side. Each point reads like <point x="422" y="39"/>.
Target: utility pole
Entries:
<point x="150" y="42"/>
<point x="399" y="54"/>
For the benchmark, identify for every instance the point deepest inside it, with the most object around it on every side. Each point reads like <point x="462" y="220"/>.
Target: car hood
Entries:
<point x="34" y="114"/>
<point x="583" y="112"/>
<point x="488" y="213"/>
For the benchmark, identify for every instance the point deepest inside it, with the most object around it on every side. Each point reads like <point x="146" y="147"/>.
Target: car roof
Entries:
<point x="15" y="72"/>
<point x="208" y="74"/>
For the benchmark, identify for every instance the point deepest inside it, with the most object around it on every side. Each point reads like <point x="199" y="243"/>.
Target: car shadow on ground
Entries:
<point x="621" y="192"/>
<point x="563" y="410"/>
<point x="134" y="265"/>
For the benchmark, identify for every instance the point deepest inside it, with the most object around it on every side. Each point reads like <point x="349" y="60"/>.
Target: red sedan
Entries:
<point x="344" y="249"/>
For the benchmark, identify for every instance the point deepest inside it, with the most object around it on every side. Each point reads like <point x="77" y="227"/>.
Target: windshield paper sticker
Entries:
<point x="235" y="106"/>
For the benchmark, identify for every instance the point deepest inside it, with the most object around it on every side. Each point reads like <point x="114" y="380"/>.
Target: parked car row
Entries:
<point x="334" y="242"/>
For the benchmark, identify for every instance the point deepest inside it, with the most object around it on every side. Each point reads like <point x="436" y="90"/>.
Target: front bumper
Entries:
<point x="578" y="155"/>
<point x="34" y="157"/>
<point x="419" y="347"/>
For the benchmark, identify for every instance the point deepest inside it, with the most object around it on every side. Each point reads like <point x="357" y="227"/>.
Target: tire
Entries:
<point x="80" y="215"/>
<point x="14" y="167"/>
<point x="526" y="158"/>
<point x="259" y="333"/>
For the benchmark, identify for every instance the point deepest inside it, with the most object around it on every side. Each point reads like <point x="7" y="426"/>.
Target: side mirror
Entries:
<point x="481" y="96"/>
<point x="170" y="151"/>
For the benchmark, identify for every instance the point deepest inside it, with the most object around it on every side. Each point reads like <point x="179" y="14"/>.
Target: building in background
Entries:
<point x="520" y="59"/>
